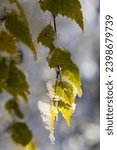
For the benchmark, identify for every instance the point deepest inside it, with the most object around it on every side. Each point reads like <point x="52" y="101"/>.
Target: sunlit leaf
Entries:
<point x="20" y="133"/>
<point x="69" y="8"/>
<point x="54" y="116"/>
<point x="12" y="106"/>
<point x="65" y="91"/>
<point x="7" y="42"/>
<point x="46" y="37"/>
<point x="16" y="25"/>
<point x="31" y="145"/>
<point x="65" y="111"/>
<point x="49" y="115"/>
<point x="68" y="68"/>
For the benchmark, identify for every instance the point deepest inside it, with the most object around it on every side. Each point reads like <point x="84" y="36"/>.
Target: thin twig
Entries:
<point x="58" y="66"/>
<point x="55" y="29"/>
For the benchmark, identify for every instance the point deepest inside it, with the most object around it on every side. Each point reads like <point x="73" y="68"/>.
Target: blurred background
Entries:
<point x="84" y="132"/>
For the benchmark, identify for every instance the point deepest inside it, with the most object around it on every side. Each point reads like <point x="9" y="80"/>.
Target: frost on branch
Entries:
<point x="49" y="115"/>
<point x="51" y="91"/>
<point x="62" y="99"/>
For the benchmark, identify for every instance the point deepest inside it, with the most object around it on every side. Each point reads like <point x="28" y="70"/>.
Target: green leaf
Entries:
<point x="12" y="1"/>
<point x="17" y="26"/>
<point x="54" y="117"/>
<point x="21" y="134"/>
<point x="21" y="14"/>
<point x="69" y="8"/>
<point x="7" y="42"/>
<point x="65" y="91"/>
<point x="4" y="70"/>
<point x="46" y="37"/>
<point x="65" y="111"/>
<point x="68" y="68"/>
<point x="12" y="106"/>
<point x="16" y="82"/>
<point x="12" y="79"/>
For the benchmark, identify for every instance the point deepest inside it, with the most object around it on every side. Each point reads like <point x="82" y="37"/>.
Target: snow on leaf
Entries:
<point x="69" y="8"/>
<point x="51" y="91"/>
<point x="65" y="91"/>
<point x="50" y="88"/>
<point x="68" y="68"/>
<point x="73" y="107"/>
<point x="44" y="109"/>
<point x="49" y="115"/>
<point x="54" y="116"/>
<point x="7" y="42"/>
<point x="46" y="37"/>
<point x="52" y="138"/>
<point x="18" y="27"/>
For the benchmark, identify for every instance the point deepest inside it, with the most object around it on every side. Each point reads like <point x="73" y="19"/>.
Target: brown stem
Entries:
<point x="55" y="29"/>
<point x="57" y="70"/>
<point x="58" y="66"/>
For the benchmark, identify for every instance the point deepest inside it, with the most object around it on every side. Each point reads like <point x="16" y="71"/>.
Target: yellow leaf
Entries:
<point x="65" y="91"/>
<point x="54" y="116"/>
<point x="7" y="42"/>
<point x="68" y="68"/>
<point x="30" y="145"/>
<point x="65" y="110"/>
